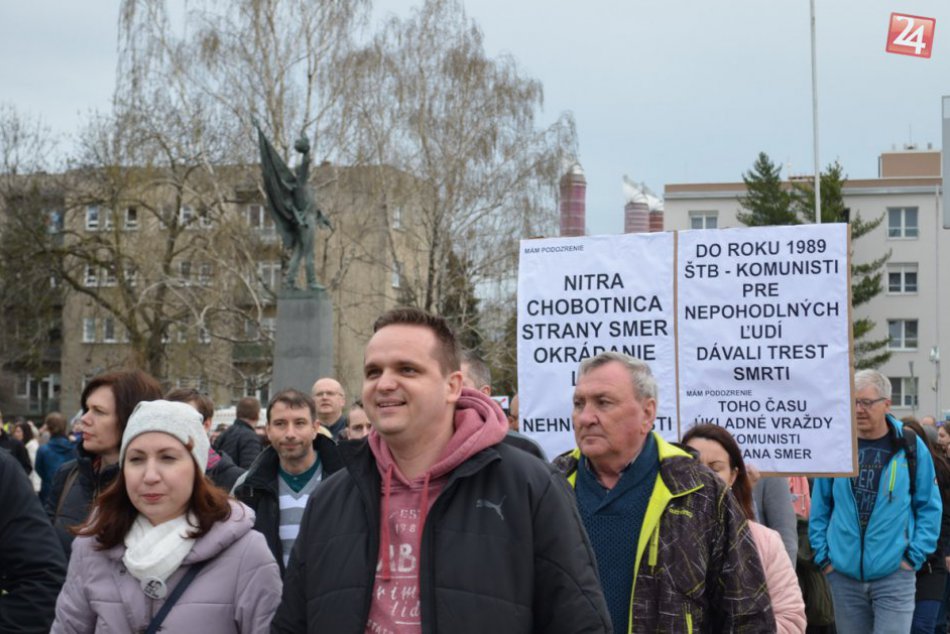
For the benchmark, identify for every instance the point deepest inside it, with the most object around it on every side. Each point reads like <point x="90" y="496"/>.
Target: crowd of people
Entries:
<point x="420" y="508"/>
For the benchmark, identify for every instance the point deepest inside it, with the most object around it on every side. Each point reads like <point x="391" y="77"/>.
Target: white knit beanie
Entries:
<point x="180" y="420"/>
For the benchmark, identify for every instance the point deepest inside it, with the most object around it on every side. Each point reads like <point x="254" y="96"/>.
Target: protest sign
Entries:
<point x="578" y="297"/>
<point x="764" y="342"/>
<point x="747" y="328"/>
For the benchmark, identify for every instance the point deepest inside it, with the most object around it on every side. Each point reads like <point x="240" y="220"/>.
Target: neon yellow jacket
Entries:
<point x="702" y="572"/>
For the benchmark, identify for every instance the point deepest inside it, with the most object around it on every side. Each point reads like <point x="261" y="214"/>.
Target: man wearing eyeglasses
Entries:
<point x="872" y="532"/>
<point x="330" y="398"/>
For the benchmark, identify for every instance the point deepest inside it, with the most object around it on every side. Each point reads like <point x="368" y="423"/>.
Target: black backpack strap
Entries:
<point x="156" y="623"/>
<point x="68" y="483"/>
<point x="910" y="450"/>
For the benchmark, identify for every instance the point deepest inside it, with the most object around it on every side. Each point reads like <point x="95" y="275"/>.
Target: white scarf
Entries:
<point x="155" y="552"/>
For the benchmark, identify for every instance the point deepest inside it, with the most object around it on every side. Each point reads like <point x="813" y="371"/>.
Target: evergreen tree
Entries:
<point x="768" y="201"/>
<point x="459" y="303"/>
<point x="505" y="364"/>
<point x="866" y="277"/>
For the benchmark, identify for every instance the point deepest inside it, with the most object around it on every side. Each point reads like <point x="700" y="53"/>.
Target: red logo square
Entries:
<point x="910" y="35"/>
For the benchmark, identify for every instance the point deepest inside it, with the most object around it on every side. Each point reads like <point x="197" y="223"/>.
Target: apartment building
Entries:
<point x="913" y="310"/>
<point x="204" y="265"/>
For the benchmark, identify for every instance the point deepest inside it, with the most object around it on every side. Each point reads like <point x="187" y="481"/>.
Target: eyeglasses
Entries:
<point x="866" y="403"/>
<point x="323" y="394"/>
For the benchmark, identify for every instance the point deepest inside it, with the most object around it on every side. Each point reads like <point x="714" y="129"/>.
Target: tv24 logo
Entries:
<point x="910" y="35"/>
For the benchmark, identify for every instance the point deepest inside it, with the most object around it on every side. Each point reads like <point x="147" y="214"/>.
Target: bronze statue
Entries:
<point x="292" y="205"/>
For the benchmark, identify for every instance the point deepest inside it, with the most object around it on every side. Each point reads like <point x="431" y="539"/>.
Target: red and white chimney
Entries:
<point x="643" y="211"/>
<point x="636" y="217"/>
<point x="573" y="202"/>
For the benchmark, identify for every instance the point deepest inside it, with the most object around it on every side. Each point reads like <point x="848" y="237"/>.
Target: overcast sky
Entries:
<point x="666" y="92"/>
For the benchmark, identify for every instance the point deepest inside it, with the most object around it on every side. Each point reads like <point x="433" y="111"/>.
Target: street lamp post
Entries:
<point x="814" y="115"/>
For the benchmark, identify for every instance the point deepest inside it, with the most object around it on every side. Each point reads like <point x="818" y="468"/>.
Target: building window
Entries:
<point x="260" y="220"/>
<point x="89" y="330"/>
<point x="184" y="271"/>
<point x="90" y="276"/>
<point x="397" y="217"/>
<point x="92" y="218"/>
<point x="703" y="219"/>
<point x="54" y="221"/>
<point x="269" y="273"/>
<point x="204" y="335"/>
<point x="397" y="275"/>
<point x="23" y="385"/>
<point x="269" y="326"/>
<point x="131" y="275"/>
<point x="205" y="273"/>
<point x="131" y="222"/>
<point x="902" y="222"/>
<point x="901" y="279"/>
<point x="903" y="334"/>
<point x="108" y="330"/>
<point x="38" y="390"/>
<point x="204" y="219"/>
<point x="108" y="276"/>
<point x="258" y="387"/>
<point x="904" y="391"/>
<point x="255" y="216"/>
<point x="186" y="216"/>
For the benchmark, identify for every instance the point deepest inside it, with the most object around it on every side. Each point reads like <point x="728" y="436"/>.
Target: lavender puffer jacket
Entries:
<point x="238" y="590"/>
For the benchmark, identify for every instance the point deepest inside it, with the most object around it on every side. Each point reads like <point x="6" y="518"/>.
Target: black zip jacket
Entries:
<point x="224" y="473"/>
<point x="529" y="568"/>
<point x="240" y="442"/>
<point x="258" y="489"/>
<point x="32" y="565"/>
<point x="16" y="449"/>
<point x="77" y="500"/>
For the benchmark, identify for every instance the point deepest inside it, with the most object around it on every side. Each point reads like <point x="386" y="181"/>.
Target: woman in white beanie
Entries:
<point x="164" y="547"/>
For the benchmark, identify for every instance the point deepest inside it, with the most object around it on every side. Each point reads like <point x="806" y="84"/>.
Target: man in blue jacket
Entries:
<point x="871" y="533"/>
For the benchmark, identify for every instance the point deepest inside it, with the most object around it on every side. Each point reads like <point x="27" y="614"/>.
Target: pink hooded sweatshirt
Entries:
<point x="479" y="424"/>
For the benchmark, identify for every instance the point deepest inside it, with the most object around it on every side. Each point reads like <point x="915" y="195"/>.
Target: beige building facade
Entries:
<point x="913" y="309"/>
<point x="218" y="260"/>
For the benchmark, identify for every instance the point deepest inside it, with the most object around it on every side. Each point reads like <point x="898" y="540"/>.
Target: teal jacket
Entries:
<point x="899" y="527"/>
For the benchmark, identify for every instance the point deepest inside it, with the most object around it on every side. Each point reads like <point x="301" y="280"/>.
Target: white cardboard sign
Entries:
<point x="578" y="297"/>
<point x="747" y="328"/>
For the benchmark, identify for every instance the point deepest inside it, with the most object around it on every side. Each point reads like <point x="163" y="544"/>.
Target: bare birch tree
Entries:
<point x="482" y="169"/>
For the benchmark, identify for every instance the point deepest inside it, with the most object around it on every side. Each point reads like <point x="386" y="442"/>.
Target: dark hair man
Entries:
<point x="358" y="424"/>
<point x="673" y="548"/>
<point x="285" y="475"/>
<point x="239" y="441"/>
<point x="330" y="399"/>
<point x="221" y="469"/>
<point x="435" y="526"/>
<point x="871" y="533"/>
<point x="476" y="375"/>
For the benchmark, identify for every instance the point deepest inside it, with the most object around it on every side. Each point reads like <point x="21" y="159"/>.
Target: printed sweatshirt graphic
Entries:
<point x="405" y="505"/>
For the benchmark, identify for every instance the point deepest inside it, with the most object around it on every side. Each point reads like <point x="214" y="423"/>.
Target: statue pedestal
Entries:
<point x="303" y="350"/>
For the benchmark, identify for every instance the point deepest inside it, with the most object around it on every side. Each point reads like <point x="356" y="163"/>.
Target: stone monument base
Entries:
<point x="303" y="347"/>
